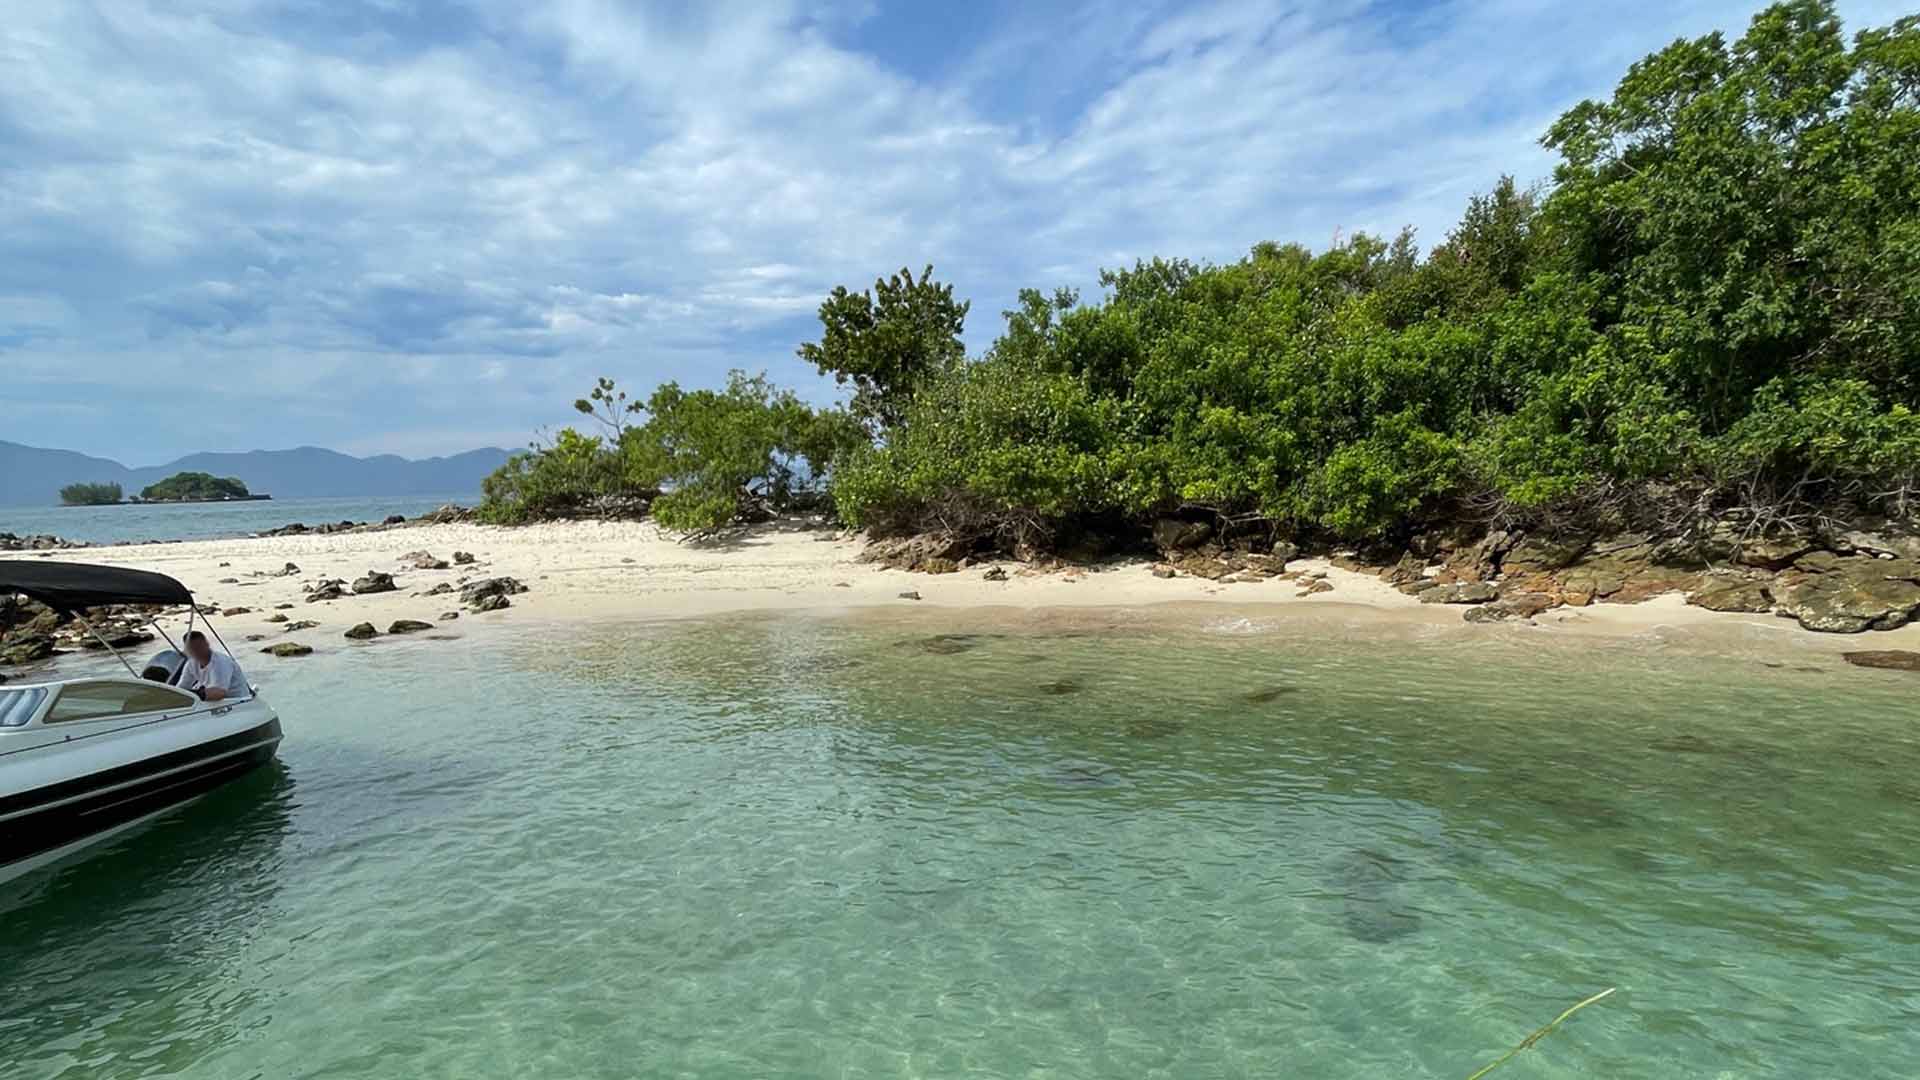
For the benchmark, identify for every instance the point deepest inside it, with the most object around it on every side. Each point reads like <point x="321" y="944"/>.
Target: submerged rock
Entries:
<point x="276" y="618"/>
<point x="1271" y="693"/>
<point x="303" y="624"/>
<point x="288" y="648"/>
<point x="1369" y="886"/>
<point x="949" y="644"/>
<point x="1891" y="659"/>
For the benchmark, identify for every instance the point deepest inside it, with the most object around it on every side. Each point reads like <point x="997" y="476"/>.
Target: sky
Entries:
<point x="422" y="226"/>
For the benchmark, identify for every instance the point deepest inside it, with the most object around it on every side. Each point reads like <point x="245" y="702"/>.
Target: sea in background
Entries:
<point x="1108" y="846"/>
<point x="137" y="523"/>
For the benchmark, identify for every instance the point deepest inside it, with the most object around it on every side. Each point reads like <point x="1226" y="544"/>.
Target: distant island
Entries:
<point x="199" y="487"/>
<point x="181" y="487"/>
<point x="37" y="476"/>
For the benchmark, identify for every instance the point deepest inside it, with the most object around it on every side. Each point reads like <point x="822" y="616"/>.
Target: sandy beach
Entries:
<point x="631" y="570"/>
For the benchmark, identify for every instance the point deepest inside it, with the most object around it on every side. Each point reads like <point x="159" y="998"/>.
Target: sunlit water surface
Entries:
<point x="811" y="848"/>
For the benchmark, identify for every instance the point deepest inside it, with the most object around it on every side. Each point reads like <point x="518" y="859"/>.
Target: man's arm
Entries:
<point x="214" y="693"/>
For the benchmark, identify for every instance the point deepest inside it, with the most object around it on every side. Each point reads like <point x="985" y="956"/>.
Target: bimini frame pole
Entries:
<point x="106" y="644"/>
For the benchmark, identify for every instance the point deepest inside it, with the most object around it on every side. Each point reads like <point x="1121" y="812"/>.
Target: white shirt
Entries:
<point x="220" y="671"/>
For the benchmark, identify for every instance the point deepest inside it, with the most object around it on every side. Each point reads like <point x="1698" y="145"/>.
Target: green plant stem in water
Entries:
<point x="1528" y="1042"/>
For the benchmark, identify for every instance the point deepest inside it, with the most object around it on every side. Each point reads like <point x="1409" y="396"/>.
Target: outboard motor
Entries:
<point x="165" y="667"/>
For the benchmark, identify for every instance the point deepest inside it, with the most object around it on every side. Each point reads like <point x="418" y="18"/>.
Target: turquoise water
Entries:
<point x="207" y="521"/>
<point x="792" y="847"/>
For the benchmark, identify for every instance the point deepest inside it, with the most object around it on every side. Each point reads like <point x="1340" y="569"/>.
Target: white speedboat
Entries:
<point x="85" y="759"/>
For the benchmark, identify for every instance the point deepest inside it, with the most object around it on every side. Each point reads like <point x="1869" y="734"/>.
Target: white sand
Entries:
<point x="601" y="570"/>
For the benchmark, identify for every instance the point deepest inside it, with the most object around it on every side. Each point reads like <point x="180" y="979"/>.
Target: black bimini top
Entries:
<point x="67" y="586"/>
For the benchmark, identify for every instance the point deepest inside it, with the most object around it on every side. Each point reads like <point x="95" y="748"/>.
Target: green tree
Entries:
<point x="745" y="452"/>
<point x="888" y="341"/>
<point x="104" y="494"/>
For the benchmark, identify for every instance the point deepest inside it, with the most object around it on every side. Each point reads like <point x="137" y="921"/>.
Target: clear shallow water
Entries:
<point x="207" y="521"/>
<point x="795" y="848"/>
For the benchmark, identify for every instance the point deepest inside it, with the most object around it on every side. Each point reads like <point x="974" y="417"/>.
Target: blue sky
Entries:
<point x="420" y="227"/>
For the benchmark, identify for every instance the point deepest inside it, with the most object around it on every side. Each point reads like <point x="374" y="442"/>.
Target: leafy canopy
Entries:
<point x="887" y="342"/>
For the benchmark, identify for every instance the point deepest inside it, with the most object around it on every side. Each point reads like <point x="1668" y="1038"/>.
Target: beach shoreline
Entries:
<point x="598" y="571"/>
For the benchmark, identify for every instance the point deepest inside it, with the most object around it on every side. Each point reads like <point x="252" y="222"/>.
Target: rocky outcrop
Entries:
<point x="423" y="560"/>
<point x="300" y="528"/>
<point x="408" y="626"/>
<point x="1835" y="594"/>
<point x="374" y="582"/>
<point x="1174" y="534"/>
<point x="1466" y="592"/>
<point x="464" y="558"/>
<point x="1732" y="592"/>
<point x="917" y="552"/>
<point x="26" y="648"/>
<point x="485" y="594"/>
<point x="450" y="514"/>
<point x="36" y="542"/>
<point x="327" y="589"/>
<point x="1539" y="554"/>
<point x="1883" y="542"/>
<point x="491" y="603"/>
<point x="1520" y="606"/>
<point x="362" y="632"/>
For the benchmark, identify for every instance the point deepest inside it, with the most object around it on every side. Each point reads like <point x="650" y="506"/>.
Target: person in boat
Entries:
<point x="210" y="675"/>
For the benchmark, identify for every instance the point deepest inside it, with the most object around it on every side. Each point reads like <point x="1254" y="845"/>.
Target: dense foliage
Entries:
<point x="700" y="460"/>
<point x="90" y="494"/>
<point x="194" y="486"/>
<point x="1713" y="310"/>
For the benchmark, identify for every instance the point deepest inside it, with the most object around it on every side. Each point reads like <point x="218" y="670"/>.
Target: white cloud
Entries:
<point x="382" y="226"/>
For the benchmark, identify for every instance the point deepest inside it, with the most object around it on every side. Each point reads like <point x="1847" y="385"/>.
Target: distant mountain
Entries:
<point x="31" y="476"/>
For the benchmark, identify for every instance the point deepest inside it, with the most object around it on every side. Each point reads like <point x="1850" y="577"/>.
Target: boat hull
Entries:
<point x="51" y="822"/>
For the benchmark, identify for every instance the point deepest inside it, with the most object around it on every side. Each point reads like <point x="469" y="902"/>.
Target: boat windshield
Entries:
<point x="18" y="706"/>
